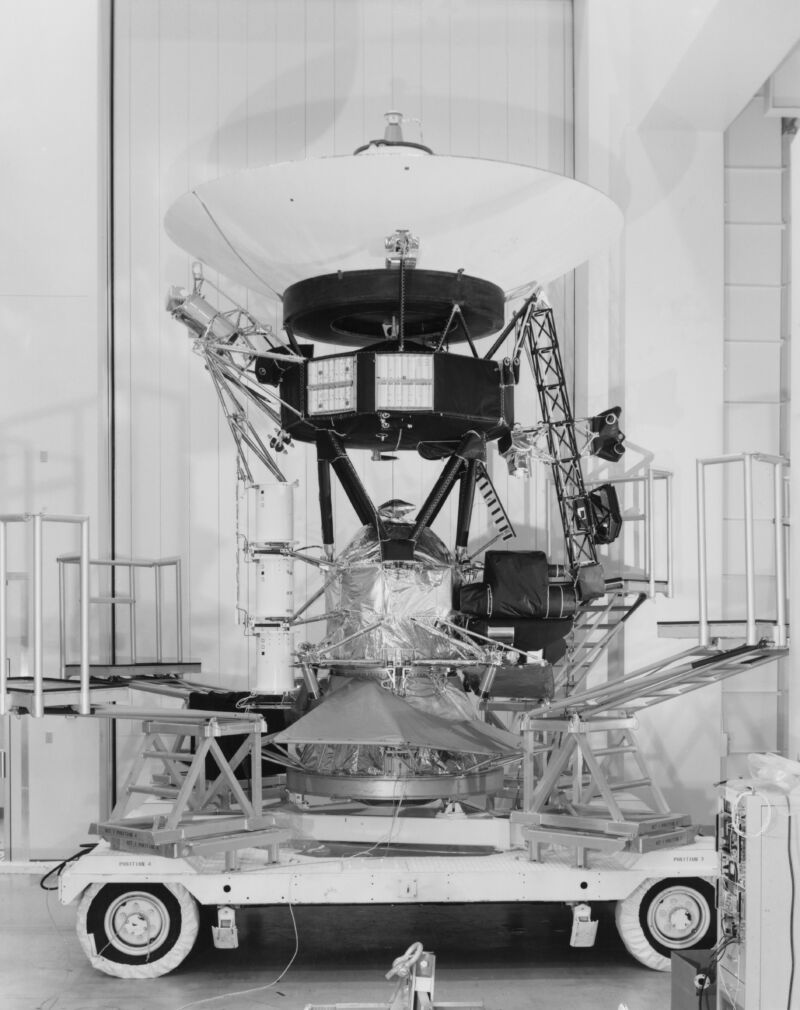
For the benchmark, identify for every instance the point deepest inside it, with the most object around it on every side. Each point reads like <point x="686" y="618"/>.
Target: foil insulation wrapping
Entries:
<point x="361" y="729"/>
<point x="404" y="598"/>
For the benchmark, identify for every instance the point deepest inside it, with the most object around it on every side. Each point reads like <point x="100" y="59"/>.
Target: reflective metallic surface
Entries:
<point x="400" y="597"/>
<point x="395" y="789"/>
<point x="363" y="741"/>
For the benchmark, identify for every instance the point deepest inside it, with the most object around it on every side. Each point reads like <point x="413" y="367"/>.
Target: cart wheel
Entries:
<point x="137" y="930"/>
<point x="665" y="915"/>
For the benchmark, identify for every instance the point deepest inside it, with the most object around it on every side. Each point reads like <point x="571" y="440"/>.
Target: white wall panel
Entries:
<point x="752" y="371"/>
<point x="753" y="139"/>
<point x="752" y="195"/>
<point x="52" y="297"/>
<point x="752" y="313"/>
<point x="753" y="253"/>
<point x="753" y="427"/>
<point x="754" y="350"/>
<point x="203" y="88"/>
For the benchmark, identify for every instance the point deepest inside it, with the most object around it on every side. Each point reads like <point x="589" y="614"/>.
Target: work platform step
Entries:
<point x="201" y="836"/>
<point x="131" y="671"/>
<point x="580" y="841"/>
<point x="603" y="841"/>
<point x="58" y="694"/>
<point x="662" y="840"/>
<point x="596" y="822"/>
<point x="730" y="630"/>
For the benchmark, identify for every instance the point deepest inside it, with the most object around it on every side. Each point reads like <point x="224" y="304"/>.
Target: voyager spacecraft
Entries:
<point x="406" y="261"/>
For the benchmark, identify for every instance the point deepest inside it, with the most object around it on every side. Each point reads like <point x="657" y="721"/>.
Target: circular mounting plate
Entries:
<point x="511" y="225"/>
<point x="385" y="787"/>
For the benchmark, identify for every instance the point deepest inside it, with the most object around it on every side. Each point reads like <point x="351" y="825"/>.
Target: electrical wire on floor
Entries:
<point x="67" y="948"/>
<point x="732" y="998"/>
<point x="709" y="970"/>
<point x="257" y="988"/>
<point x="59" y="868"/>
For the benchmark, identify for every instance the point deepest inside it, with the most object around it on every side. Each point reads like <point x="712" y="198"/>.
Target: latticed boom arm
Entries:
<point x="538" y="334"/>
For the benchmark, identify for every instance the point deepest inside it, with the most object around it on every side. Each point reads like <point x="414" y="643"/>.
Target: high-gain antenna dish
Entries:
<point x="269" y="227"/>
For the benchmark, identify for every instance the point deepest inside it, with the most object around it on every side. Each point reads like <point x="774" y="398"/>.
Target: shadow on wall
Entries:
<point x="668" y="151"/>
<point x="47" y="464"/>
<point x="151" y="484"/>
<point x="45" y="460"/>
<point x="336" y="135"/>
<point x="675" y="749"/>
<point x="453" y="70"/>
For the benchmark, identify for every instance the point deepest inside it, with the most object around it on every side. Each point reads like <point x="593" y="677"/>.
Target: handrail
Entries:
<point x="649" y="478"/>
<point x="747" y="459"/>
<point x="156" y="565"/>
<point x="38" y="519"/>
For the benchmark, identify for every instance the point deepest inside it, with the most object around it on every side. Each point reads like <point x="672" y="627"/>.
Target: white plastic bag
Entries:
<point x="781" y="771"/>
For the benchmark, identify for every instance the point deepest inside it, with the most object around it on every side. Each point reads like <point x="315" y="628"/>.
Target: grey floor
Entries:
<point x="510" y="956"/>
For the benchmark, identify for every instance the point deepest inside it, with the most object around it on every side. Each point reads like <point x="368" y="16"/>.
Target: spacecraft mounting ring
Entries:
<point x="387" y="787"/>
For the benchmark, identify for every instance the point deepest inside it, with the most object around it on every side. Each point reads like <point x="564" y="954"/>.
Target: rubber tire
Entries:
<point x="635" y="933"/>
<point x="182" y="926"/>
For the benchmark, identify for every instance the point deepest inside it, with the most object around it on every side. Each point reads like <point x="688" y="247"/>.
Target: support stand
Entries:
<point x="208" y="813"/>
<point x="594" y="790"/>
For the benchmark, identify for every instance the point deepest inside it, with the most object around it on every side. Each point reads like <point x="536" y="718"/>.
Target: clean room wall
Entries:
<point x="206" y="87"/>
<point x="756" y="349"/>
<point x="52" y="291"/>
<point x="650" y="130"/>
<point x="654" y="334"/>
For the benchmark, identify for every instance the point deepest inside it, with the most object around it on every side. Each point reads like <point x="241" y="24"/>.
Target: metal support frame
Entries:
<point x="38" y="520"/>
<point x="241" y="428"/>
<point x="747" y="460"/>
<point x="331" y="453"/>
<point x="229" y="342"/>
<point x="466" y="500"/>
<point x="207" y="814"/>
<point x="578" y="798"/>
<point x="331" y="450"/>
<point x="325" y="505"/>
<point x="576" y="770"/>
<point x="471" y="449"/>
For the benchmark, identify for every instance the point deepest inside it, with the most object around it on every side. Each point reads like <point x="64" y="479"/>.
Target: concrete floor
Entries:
<point x="513" y="957"/>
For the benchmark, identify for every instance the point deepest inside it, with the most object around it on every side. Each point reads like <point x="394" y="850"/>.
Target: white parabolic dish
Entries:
<point x="512" y="225"/>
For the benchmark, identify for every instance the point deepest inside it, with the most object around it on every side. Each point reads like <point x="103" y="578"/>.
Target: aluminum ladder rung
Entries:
<point x="154" y="790"/>
<point x="500" y="519"/>
<point x="172" y="755"/>
<point x="617" y="787"/>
